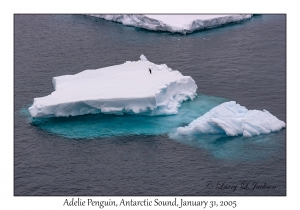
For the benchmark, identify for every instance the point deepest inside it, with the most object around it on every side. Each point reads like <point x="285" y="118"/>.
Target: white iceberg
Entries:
<point x="126" y="88"/>
<point x="233" y="119"/>
<point x="175" y="23"/>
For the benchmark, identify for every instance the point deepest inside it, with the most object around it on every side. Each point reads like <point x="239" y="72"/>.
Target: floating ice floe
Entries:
<point x="126" y="88"/>
<point x="233" y="119"/>
<point x="175" y="23"/>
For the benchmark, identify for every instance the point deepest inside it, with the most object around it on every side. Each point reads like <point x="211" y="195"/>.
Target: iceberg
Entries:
<point x="175" y="23"/>
<point x="233" y="119"/>
<point x="126" y="88"/>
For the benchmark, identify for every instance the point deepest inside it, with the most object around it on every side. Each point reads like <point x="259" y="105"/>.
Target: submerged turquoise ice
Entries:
<point x="109" y="125"/>
<point x="236" y="148"/>
<point x="106" y="125"/>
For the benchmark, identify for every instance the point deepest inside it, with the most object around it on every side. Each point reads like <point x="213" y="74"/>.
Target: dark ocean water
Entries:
<point x="244" y="62"/>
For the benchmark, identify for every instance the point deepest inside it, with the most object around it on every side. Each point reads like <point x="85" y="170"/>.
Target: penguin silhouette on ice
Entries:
<point x="150" y="71"/>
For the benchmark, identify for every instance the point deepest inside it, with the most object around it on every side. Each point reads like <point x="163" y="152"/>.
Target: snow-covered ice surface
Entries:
<point x="233" y="119"/>
<point x="175" y="23"/>
<point x="126" y="88"/>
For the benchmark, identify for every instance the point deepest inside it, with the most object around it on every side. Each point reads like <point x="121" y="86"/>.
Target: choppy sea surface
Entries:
<point x="134" y="155"/>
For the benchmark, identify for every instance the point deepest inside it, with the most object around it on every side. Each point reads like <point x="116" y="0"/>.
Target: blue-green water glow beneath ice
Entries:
<point x="107" y="125"/>
<point x="240" y="148"/>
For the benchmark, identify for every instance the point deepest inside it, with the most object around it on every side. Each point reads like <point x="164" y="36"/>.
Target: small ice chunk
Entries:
<point x="143" y="58"/>
<point x="233" y="120"/>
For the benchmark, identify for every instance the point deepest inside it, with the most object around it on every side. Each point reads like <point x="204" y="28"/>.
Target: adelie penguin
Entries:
<point x="150" y="71"/>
